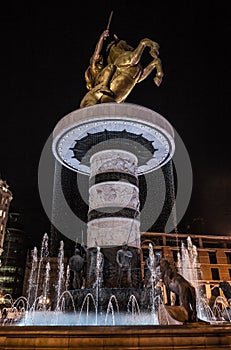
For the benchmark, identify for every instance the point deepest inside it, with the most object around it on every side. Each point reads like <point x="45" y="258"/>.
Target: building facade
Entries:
<point x="5" y="199"/>
<point x="13" y="258"/>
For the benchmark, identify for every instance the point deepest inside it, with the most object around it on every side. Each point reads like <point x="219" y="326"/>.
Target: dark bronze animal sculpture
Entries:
<point x="226" y="289"/>
<point x="176" y="283"/>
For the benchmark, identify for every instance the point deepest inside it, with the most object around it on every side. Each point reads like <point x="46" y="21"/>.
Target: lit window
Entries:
<point x="8" y="290"/>
<point x="6" y="279"/>
<point x="7" y="269"/>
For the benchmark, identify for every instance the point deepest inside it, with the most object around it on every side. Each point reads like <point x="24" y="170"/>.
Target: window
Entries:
<point x="8" y="290"/>
<point x="228" y="256"/>
<point x="7" y="268"/>
<point x="212" y="258"/>
<point x="215" y="274"/>
<point x="6" y="279"/>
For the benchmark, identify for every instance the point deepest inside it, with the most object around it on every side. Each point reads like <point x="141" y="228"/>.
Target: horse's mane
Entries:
<point x="167" y="264"/>
<point x="119" y="45"/>
<point x="116" y="48"/>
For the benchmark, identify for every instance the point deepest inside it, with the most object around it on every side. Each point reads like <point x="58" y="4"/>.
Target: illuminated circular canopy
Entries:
<point x="126" y="126"/>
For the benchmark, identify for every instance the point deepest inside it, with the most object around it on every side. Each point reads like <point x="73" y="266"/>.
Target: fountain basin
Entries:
<point x="54" y="318"/>
<point x="191" y="336"/>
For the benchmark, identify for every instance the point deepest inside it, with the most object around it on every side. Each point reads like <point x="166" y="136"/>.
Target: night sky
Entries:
<point x="46" y="49"/>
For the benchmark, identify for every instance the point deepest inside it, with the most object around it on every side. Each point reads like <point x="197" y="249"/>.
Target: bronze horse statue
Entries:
<point x="176" y="283"/>
<point x="123" y="71"/>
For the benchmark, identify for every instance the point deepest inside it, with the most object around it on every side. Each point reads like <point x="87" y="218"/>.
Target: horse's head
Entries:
<point x="116" y="48"/>
<point x="164" y="264"/>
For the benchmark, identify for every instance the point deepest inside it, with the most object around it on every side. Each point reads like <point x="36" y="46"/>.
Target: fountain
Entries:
<point x="96" y="305"/>
<point x="112" y="144"/>
<point x="92" y="310"/>
<point x="88" y="311"/>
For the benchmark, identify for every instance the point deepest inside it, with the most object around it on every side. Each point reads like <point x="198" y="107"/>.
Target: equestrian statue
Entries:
<point x="112" y="79"/>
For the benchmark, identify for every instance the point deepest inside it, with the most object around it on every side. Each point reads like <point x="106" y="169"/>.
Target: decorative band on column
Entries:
<point x="113" y="212"/>
<point x="113" y="161"/>
<point x="113" y="194"/>
<point x="109" y="232"/>
<point x="113" y="176"/>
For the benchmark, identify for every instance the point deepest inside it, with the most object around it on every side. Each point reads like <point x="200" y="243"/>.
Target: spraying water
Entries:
<point x="67" y="277"/>
<point x="43" y="254"/>
<point x="32" y="278"/>
<point x="45" y="299"/>
<point x="60" y="284"/>
<point x="189" y="264"/>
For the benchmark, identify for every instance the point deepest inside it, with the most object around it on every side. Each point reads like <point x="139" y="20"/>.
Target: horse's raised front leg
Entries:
<point x="136" y="53"/>
<point x="154" y="47"/>
<point x="159" y="72"/>
<point x="155" y="64"/>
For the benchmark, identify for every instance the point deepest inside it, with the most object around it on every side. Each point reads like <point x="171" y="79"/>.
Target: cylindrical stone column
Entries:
<point x="113" y="216"/>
